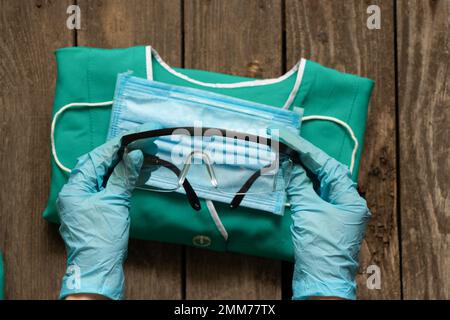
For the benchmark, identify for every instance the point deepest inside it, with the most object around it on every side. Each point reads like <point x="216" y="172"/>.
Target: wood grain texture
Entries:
<point x="124" y="23"/>
<point x="334" y="33"/>
<point x="152" y="270"/>
<point x="424" y="110"/>
<point x="33" y="251"/>
<point x="242" y="38"/>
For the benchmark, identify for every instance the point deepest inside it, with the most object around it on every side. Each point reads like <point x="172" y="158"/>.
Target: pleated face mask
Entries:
<point x="216" y="144"/>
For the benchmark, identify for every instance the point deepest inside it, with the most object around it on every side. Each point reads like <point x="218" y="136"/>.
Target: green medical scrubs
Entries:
<point x="89" y="75"/>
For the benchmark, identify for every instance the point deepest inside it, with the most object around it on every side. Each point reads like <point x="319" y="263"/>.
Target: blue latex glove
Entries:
<point x="328" y="228"/>
<point x="95" y="221"/>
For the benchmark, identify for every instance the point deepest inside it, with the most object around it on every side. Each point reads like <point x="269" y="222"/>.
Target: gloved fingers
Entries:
<point x="91" y="168"/>
<point x="337" y="186"/>
<point x="125" y="175"/>
<point x="147" y="146"/>
<point x="301" y="191"/>
<point x="312" y="157"/>
<point x="146" y="172"/>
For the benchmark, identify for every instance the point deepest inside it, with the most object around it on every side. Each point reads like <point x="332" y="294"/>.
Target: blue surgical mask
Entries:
<point x="138" y="101"/>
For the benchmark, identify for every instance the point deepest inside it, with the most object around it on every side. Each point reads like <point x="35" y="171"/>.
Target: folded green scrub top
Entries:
<point x="335" y="110"/>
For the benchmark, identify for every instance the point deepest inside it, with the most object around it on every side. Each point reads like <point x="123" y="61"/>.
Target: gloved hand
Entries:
<point x="328" y="226"/>
<point x="95" y="221"/>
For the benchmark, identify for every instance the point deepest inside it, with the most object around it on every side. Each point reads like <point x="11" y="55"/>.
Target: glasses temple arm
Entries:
<point x="247" y="185"/>
<point x="113" y="166"/>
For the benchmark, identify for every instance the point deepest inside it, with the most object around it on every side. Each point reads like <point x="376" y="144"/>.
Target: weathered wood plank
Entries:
<point x="34" y="253"/>
<point x="153" y="271"/>
<point x="334" y="33"/>
<point x="424" y="111"/>
<point x="242" y="38"/>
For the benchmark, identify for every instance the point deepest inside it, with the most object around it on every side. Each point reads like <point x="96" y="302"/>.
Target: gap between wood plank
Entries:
<point x="397" y="148"/>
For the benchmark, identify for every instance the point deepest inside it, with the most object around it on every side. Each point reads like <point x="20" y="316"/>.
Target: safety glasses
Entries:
<point x="210" y="160"/>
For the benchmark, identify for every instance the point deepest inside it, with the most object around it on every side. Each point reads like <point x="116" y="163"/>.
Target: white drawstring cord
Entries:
<point x="57" y="114"/>
<point x="215" y="216"/>
<point x="346" y="126"/>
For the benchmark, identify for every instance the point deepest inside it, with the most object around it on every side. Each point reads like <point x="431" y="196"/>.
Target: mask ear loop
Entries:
<point x="346" y="126"/>
<point x="55" y="118"/>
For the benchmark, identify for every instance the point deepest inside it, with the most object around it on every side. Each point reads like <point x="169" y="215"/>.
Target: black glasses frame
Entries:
<point x="195" y="131"/>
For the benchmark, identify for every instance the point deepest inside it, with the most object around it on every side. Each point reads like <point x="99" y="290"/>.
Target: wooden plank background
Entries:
<point x="404" y="171"/>
<point x="424" y="118"/>
<point x="337" y="36"/>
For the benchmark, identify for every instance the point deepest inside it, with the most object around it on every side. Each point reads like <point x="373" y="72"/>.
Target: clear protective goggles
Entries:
<point x="190" y="159"/>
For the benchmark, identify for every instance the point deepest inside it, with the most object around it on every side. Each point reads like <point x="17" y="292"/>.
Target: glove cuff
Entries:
<point x="308" y="287"/>
<point x="110" y="284"/>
